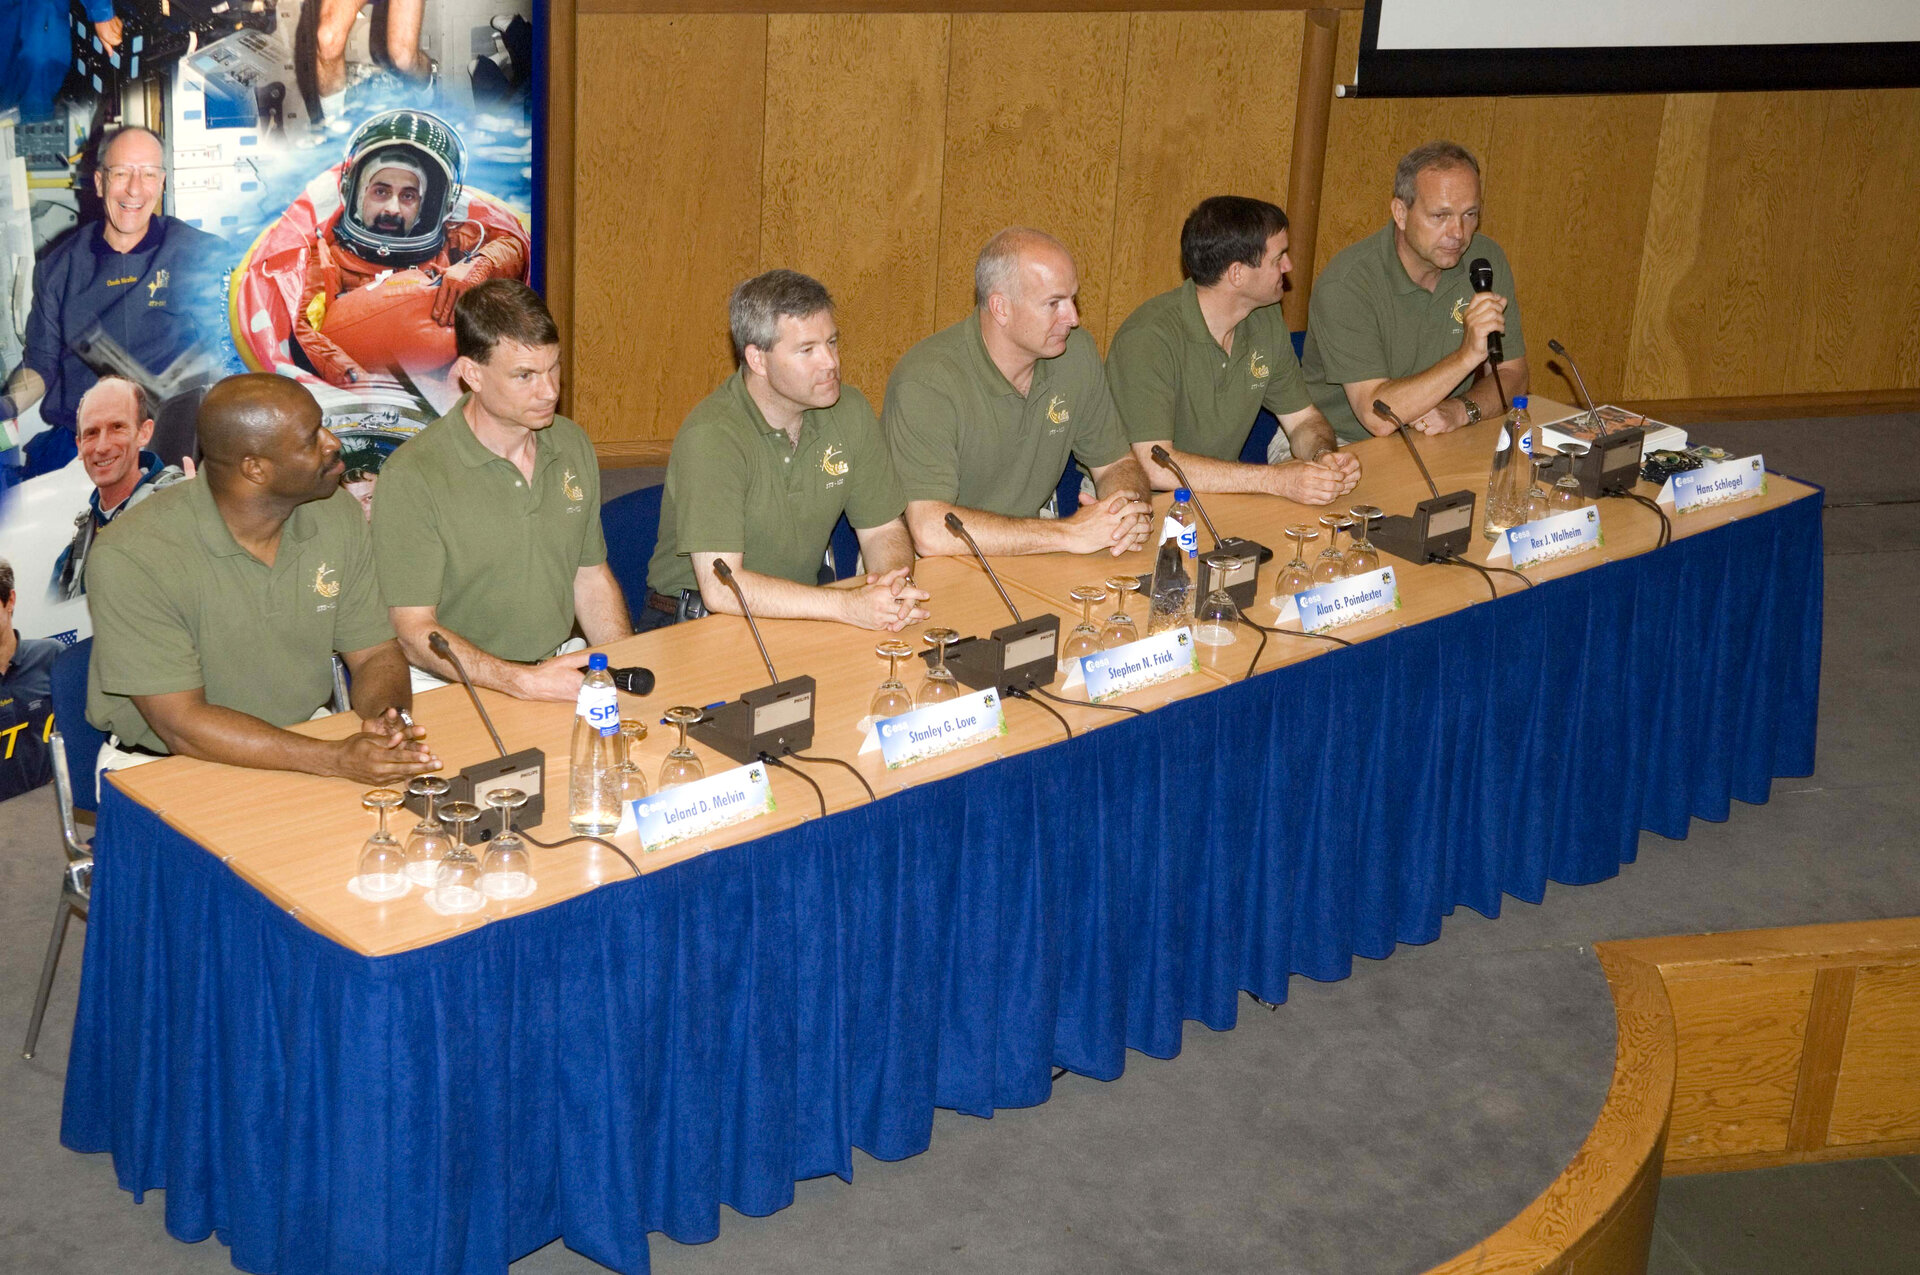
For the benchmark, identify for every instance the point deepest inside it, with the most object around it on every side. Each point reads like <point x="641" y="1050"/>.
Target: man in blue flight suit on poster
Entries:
<point x="141" y="280"/>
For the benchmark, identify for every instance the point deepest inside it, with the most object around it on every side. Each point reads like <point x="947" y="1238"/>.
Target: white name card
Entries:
<point x="1137" y="665"/>
<point x="938" y="728"/>
<point x="1716" y="484"/>
<point x="1356" y="598"/>
<point x="692" y="810"/>
<point x="1555" y="536"/>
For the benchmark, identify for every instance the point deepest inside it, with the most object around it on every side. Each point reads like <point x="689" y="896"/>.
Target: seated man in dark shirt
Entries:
<point x="26" y="677"/>
<point x="139" y="278"/>
<point x="26" y="664"/>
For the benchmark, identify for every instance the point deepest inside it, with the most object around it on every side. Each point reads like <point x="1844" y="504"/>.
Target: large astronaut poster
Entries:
<point x="306" y="189"/>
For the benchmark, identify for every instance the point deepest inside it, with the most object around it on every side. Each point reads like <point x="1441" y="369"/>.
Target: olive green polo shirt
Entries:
<point x="459" y="528"/>
<point x="960" y="433"/>
<point x="1171" y="379"/>
<point x="737" y="485"/>
<point x="178" y="604"/>
<point x="1368" y="319"/>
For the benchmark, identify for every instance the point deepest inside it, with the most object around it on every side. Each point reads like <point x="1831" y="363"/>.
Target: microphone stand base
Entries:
<point x="775" y="720"/>
<point x="1441" y="526"/>
<point x="525" y="770"/>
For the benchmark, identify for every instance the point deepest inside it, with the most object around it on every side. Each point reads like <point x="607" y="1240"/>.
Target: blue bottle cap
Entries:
<point x="1520" y="401"/>
<point x="1182" y="494"/>
<point x="596" y="662"/>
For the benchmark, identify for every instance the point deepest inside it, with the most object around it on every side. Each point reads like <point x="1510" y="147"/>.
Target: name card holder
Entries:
<point x="703" y="806"/>
<point x="1343" y="602"/>
<point x="1716" y="484"/>
<point x="1137" y="665"/>
<point x="937" y="729"/>
<point x="1544" y="539"/>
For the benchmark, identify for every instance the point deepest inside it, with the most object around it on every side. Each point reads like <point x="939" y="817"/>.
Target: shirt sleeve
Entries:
<point x="1098" y="438"/>
<point x="707" y="487"/>
<point x="409" y="558"/>
<point x="922" y="433"/>
<point x="42" y="338"/>
<point x="143" y="643"/>
<point x="98" y="10"/>
<point x="593" y="545"/>
<point x="1140" y="377"/>
<point x="1287" y="387"/>
<point x="876" y="498"/>
<point x="360" y="621"/>
<point x="1346" y="332"/>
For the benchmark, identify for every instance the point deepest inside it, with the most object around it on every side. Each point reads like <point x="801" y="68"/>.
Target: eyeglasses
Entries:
<point x="123" y="174"/>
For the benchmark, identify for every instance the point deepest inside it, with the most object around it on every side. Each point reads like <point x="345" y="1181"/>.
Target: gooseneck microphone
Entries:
<point x="1165" y="461"/>
<point x="1015" y="658"/>
<point x="770" y="721"/>
<point x="959" y="529"/>
<point x="1581" y="381"/>
<point x="721" y="569"/>
<point x="1406" y="436"/>
<point x="438" y="644"/>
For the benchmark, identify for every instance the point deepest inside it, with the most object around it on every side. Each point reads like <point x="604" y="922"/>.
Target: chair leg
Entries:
<point x="47" y="967"/>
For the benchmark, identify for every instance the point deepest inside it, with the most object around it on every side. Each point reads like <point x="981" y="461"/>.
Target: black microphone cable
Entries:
<point x="1454" y="559"/>
<point x="1299" y="633"/>
<point x="530" y="839"/>
<point x="1044" y="705"/>
<point x="771" y="760"/>
<point x="1509" y="571"/>
<point x="1112" y="708"/>
<point x="847" y="766"/>
<point x="1666" y="524"/>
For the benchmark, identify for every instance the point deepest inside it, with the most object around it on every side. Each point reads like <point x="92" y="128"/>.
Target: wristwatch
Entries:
<point x="1473" y="410"/>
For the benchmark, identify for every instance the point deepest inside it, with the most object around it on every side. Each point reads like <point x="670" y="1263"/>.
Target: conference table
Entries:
<point x="331" y="1084"/>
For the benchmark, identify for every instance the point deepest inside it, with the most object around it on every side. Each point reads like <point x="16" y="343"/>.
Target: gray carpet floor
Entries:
<point x="1377" y="1124"/>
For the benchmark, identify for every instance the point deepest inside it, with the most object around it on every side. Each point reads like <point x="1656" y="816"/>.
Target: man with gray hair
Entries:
<point x="763" y="468"/>
<point x="982" y="417"/>
<point x="115" y="424"/>
<point x="1395" y="318"/>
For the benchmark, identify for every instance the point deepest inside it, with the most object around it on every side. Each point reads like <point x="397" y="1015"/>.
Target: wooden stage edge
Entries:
<point x="1741" y="1050"/>
<point x="626" y="454"/>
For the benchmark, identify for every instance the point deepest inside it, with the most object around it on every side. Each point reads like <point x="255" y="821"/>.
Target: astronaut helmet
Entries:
<point x="402" y="178"/>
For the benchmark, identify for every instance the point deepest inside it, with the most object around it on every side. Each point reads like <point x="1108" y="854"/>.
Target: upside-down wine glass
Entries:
<point x="940" y="684"/>
<point x="1332" y="562"/>
<point x="682" y="764"/>
<point x="892" y="698"/>
<point x="505" y="872"/>
<point x="383" y="871"/>
<point x="427" y="843"/>
<point x="1119" y="628"/>
<point x="458" y="886"/>
<point x="1085" y="638"/>
<point x="633" y="783"/>
<point x="1296" y="576"/>
<point x="1362" y="557"/>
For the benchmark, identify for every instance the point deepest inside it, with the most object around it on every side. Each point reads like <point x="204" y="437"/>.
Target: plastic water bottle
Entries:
<point x="1180" y="524"/>
<point x="1511" y="478"/>
<point x="1171" y="599"/>
<point x="593" y="783"/>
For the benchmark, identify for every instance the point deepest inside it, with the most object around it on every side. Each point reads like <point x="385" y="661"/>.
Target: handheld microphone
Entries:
<point x="1017" y="657"/>
<point x="1441" y="526"/>
<point x="1480" y="274"/>
<point x="772" y="720"/>
<point x="1242" y="583"/>
<point x="525" y="770"/>
<point x="634" y="681"/>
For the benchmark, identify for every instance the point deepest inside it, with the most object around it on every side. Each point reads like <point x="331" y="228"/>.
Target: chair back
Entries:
<point x="632" y="526"/>
<point x="80" y="741"/>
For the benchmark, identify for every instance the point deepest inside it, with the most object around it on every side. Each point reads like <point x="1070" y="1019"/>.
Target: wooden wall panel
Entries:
<point x="1739" y="1061"/>
<point x="1209" y="111"/>
<point x="1033" y="138"/>
<point x="667" y="220"/>
<point x="855" y="124"/>
<point x="1729" y="230"/>
<point x="1568" y="182"/>
<point x="1858" y="305"/>
<point x="1877" y="1098"/>
<point x="1367" y="136"/>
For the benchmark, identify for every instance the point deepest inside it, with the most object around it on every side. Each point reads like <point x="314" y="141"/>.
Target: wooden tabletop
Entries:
<point x="297" y="838"/>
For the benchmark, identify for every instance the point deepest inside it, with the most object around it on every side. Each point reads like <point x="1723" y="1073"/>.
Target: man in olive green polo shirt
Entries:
<point x="486" y="524"/>
<point x="765" y="465"/>
<point x="218" y="604"/>
<point x="1395" y="318"/>
<point x="981" y="417"/>
<point x="1191" y="368"/>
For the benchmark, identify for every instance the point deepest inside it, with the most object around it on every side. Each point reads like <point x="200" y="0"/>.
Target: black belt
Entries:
<point x="684" y="605"/>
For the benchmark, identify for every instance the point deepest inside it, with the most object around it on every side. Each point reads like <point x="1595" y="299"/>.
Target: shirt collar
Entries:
<point x="742" y="399"/>
<point x="218" y="537"/>
<point x="155" y="233"/>
<point x="476" y="453"/>
<point x="996" y="380"/>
